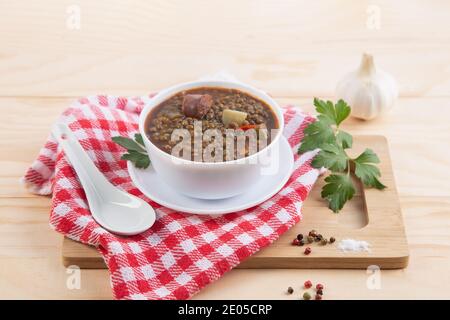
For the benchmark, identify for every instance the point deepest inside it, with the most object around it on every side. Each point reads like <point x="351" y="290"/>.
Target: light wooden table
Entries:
<point x="294" y="49"/>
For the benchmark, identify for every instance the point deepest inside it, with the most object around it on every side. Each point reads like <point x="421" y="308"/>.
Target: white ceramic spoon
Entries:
<point x="115" y="210"/>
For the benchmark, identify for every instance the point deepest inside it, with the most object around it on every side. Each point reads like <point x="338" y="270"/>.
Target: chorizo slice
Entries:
<point x="196" y="105"/>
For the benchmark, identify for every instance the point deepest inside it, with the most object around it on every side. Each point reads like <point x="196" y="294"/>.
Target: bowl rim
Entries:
<point x="172" y="90"/>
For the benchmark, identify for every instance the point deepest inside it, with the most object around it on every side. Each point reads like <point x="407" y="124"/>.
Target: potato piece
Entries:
<point x="262" y="131"/>
<point x="237" y="117"/>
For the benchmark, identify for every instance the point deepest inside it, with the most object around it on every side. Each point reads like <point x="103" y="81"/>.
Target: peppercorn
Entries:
<point x="318" y="297"/>
<point x="320" y="236"/>
<point x="313" y="233"/>
<point x="302" y="242"/>
<point x="307" y="250"/>
<point x="307" y="284"/>
<point x="290" y="290"/>
<point x="319" y="291"/>
<point x="332" y="240"/>
<point x="310" y="239"/>
<point x="319" y="286"/>
<point x="295" y="242"/>
<point x="306" y="296"/>
<point x="324" y="241"/>
<point x="317" y="239"/>
<point x="299" y="236"/>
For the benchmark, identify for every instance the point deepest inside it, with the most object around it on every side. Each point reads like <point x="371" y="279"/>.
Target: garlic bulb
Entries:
<point x="369" y="91"/>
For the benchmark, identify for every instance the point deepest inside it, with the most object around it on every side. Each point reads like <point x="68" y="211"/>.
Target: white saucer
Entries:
<point x="150" y="184"/>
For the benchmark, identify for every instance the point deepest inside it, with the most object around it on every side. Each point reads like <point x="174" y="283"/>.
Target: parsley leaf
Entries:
<point x="325" y="110"/>
<point x="316" y="134"/>
<point x="342" y="111"/>
<point x="138" y="139"/>
<point x="136" y="152"/>
<point x="128" y="144"/>
<point x="368" y="156"/>
<point x="321" y="131"/>
<point x="338" y="190"/>
<point x="331" y="157"/>
<point x="344" y="139"/>
<point x="140" y="160"/>
<point x="366" y="171"/>
<point x="335" y="113"/>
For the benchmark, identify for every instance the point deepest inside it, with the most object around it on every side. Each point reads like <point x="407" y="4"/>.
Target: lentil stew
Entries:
<point x="213" y="108"/>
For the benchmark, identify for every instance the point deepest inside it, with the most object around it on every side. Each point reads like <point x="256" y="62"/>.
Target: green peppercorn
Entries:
<point x="300" y="236"/>
<point x="310" y="239"/>
<point x="332" y="240"/>
<point x="306" y="296"/>
<point x="324" y="241"/>
<point x="290" y="290"/>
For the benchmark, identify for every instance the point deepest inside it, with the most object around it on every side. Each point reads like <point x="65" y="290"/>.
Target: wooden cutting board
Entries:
<point x="372" y="215"/>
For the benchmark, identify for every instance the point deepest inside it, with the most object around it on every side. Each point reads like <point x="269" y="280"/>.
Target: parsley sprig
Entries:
<point x="136" y="152"/>
<point x="325" y="134"/>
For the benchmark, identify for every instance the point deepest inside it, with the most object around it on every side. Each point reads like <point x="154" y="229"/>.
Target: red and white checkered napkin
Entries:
<point x="181" y="253"/>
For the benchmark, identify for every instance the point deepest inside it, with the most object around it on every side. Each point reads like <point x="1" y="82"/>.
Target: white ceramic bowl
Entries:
<point x="211" y="180"/>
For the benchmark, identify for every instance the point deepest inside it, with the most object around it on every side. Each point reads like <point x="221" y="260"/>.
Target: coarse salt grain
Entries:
<point x="348" y="245"/>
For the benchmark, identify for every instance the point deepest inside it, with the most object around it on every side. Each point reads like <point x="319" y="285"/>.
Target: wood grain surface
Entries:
<point x="293" y="49"/>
